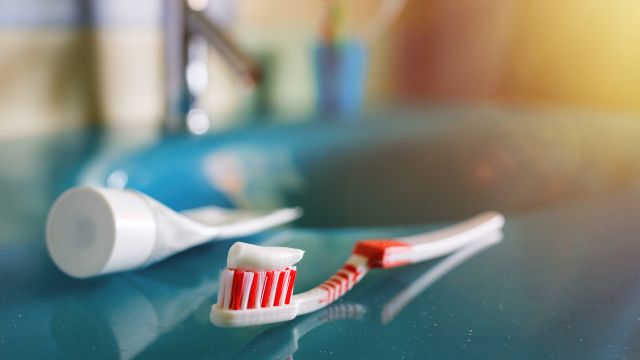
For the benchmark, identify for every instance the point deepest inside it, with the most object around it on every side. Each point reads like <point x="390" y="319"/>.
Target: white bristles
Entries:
<point x="260" y="289"/>
<point x="248" y="277"/>
<point x="285" y="286"/>
<point x="227" y="283"/>
<point x="222" y="288"/>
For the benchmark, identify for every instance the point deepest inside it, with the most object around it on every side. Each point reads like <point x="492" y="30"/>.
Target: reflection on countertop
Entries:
<point x="281" y="342"/>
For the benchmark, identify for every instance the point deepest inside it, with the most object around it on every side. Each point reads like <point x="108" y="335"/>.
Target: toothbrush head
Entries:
<point x="257" y="286"/>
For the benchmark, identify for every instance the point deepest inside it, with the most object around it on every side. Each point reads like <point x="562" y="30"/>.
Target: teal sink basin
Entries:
<point x="561" y="284"/>
<point x="408" y="171"/>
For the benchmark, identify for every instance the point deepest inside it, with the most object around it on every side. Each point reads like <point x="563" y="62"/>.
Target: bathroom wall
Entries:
<point x="57" y="72"/>
<point x="66" y="64"/>
<point x="558" y="53"/>
<point x="42" y="67"/>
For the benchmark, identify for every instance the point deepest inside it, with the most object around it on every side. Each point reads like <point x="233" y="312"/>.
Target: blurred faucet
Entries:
<point x="188" y="34"/>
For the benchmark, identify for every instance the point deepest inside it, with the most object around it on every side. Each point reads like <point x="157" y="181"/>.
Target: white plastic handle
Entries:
<point x="441" y="242"/>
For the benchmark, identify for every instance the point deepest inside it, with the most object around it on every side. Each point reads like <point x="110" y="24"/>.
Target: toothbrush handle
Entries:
<point x="413" y="249"/>
<point x="444" y="241"/>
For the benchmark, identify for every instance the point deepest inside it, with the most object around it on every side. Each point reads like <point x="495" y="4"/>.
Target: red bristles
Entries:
<point x="279" y="287"/>
<point x="236" y="290"/>
<point x="241" y="290"/>
<point x="251" y="304"/>
<point x="292" y="279"/>
<point x="267" y="288"/>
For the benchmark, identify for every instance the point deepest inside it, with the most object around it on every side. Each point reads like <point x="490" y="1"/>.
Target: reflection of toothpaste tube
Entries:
<point x="93" y="231"/>
<point x="132" y="311"/>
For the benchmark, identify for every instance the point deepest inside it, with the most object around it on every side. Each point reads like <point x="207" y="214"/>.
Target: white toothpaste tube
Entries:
<point x="93" y="230"/>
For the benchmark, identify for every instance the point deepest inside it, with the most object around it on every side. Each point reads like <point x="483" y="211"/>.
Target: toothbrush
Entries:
<point x="256" y="288"/>
<point x="93" y="231"/>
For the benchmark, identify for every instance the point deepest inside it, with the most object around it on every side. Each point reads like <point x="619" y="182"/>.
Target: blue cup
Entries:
<point x="340" y="75"/>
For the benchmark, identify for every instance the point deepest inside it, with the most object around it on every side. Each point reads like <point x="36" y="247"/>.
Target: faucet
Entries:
<point x="189" y="33"/>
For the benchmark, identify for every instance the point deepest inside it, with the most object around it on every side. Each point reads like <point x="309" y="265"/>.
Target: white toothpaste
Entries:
<point x="248" y="257"/>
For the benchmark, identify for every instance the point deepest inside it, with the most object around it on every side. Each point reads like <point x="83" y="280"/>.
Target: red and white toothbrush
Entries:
<point x="257" y="286"/>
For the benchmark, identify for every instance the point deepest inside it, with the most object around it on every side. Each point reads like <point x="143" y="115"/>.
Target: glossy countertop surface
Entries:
<point x="563" y="283"/>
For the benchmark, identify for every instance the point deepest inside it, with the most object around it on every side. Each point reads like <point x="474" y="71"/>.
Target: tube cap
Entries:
<point x="93" y="231"/>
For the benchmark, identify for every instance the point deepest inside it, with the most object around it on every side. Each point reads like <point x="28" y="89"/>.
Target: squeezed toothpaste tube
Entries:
<point x="93" y="231"/>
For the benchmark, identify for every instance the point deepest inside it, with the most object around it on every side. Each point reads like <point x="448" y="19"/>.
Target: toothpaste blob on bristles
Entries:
<point x="258" y="277"/>
<point x="248" y="257"/>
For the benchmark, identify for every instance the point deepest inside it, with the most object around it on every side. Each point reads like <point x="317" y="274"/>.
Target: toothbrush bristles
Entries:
<point x="241" y="290"/>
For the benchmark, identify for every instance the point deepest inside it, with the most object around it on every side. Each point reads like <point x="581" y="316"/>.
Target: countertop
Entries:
<point x="563" y="283"/>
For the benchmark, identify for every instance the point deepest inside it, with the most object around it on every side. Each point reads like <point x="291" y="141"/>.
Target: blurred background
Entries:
<point x="68" y="64"/>
<point x="365" y="113"/>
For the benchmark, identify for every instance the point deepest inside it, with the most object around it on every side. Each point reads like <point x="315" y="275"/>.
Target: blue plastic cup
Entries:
<point x="340" y="74"/>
